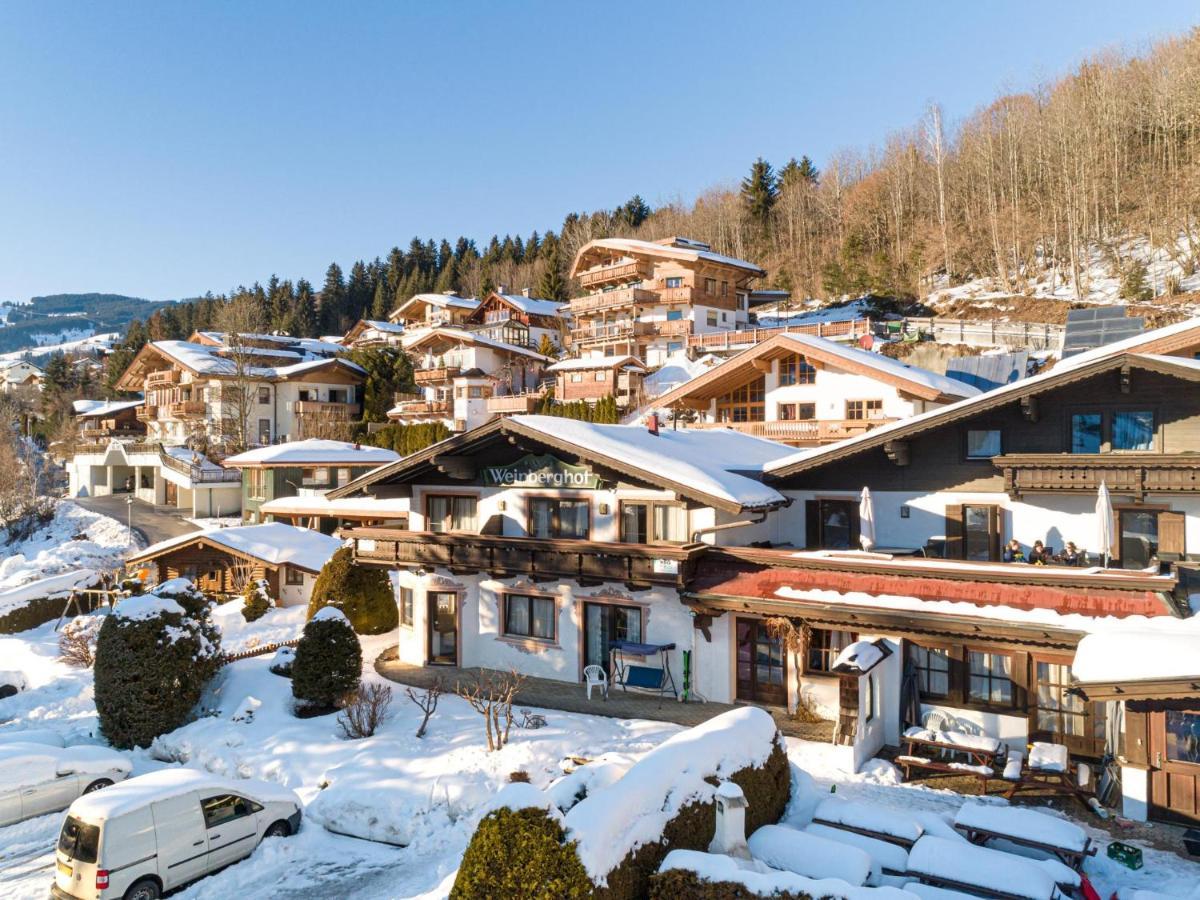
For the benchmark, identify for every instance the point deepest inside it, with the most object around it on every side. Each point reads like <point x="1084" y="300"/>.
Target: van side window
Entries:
<point x="225" y="808"/>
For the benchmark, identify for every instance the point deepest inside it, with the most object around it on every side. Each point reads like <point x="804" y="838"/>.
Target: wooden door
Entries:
<point x="171" y="493"/>
<point x="761" y="665"/>
<point x="1175" y="764"/>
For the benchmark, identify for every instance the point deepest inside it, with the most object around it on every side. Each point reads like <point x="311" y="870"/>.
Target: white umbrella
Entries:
<point x="1104" y="517"/>
<point x="866" y="520"/>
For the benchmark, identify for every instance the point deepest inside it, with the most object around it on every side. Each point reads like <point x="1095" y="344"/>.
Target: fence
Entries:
<point x="977" y="333"/>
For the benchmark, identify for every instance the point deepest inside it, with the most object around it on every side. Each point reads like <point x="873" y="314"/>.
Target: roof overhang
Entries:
<point x="1157" y="689"/>
<point x="202" y="540"/>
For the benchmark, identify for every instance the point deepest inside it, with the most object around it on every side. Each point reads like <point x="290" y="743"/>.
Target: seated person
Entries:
<point x="1038" y="555"/>
<point x="1071" y="556"/>
<point x="1013" y="552"/>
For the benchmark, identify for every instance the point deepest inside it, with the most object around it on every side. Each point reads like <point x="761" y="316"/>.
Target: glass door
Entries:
<point x="605" y="622"/>
<point x="443" y="628"/>
<point x="1139" y="537"/>
<point x="761" y="665"/>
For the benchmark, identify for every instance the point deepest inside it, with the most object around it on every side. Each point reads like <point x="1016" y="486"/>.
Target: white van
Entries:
<point x="151" y="834"/>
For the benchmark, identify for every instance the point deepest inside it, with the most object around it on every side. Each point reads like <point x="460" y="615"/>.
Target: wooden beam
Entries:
<point x="458" y="467"/>
<point x="762" y="365"/>
<point x="1126" y="380"/>
<point x="1029" y="408"/>
<point x="897" y="452"/>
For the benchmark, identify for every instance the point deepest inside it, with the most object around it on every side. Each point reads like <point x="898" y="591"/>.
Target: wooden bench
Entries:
<point x="981" y="772"/>
<point x="1056" y="837"/>
<point x="982" y="754"/>
<point x="1048" y="768"/>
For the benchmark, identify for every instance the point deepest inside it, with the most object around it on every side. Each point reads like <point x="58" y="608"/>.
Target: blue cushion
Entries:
<point x="643" y="677"/>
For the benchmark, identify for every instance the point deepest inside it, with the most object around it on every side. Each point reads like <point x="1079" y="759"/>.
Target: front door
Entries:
<point x="1175" y="765"/>
<point x="443" y="628"/>
<point x="761" y="665"/>
<point x="606" y="622"/>
<point x="171" y="493"/>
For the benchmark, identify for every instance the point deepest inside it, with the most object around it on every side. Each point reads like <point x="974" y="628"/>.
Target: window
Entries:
<point x="724" y="288"/>
<point x="294" y="576"/>
<point x="529" y="617"/>
<point x="1133" y="430"/>
<point x="601" y="376"/>
<point x="264" y="394"/>
<point x="864" y="409"/>
<point x="450" y="512"/>
<point x="711" y="317"/>
<point x="744" y="404"/>
<point x="475" y="392"/>
<point x="256" y="483"/>
<point x="79" y="840"/>
<point x="576" y="377"/>
<point x="990" y="678"/>
<point x="674" y="315"/>
<point x="824" y="645"/>
<point x="343" y="476"/>
<point x="673" y="282"/>
<point x="318" y="475"/>
<point x="406" y="606"/>
<point x="264" y="431"/>
<point x="932" y="667"/>
<point x="981" y="533"/>
<point x="710" y="285"/>
<point x="653" y="523"/>
<point x="226" y="808"/>
<point x="983" y="443"/>
<point x="832" y="524"/>
<point x="797" y="412"/>
<point x="339" y="395"/>
<point x="795" y="369"/>
<point x="1085" y="433"/>
<point x="554" y="517"/>
<point x="1182" y="733"/>
<point x="1060" y="713"/>
<point x="674" y="346"/>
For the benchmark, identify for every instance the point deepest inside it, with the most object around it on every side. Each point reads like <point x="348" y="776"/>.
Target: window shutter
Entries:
<point x="955" y="545"/>
<point x="812" y="524"/>
<point x="1171" y="532"/>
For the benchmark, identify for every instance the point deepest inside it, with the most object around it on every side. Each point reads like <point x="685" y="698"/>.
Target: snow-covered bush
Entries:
<point x="620" y="833"/>
<point x="363" y="593"/>
<point x="328" y="662"/>
<point x="77" y="641"/>
<point x="154" y="657"/>
<point x="257" y="597"/>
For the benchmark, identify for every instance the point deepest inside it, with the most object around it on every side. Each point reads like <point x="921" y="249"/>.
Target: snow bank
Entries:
<point x="56" y="586"/>
<point x="810" y="855"/>
<point x="634" y="810"/>
<point x="761" y="879"/>
<point x="587" y="779"/>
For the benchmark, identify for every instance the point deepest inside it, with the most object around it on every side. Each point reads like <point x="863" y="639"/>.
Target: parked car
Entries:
<point x="36" y="779"/>
<point x="153" y="833"/>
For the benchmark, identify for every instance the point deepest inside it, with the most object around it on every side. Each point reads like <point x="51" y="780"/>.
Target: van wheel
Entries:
<point x="279" y="829"/>
<point x="146" y="889"/>
<point x="97" y="784"/>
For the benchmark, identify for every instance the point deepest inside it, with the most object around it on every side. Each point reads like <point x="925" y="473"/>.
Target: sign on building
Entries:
<point x="543" y="471"/>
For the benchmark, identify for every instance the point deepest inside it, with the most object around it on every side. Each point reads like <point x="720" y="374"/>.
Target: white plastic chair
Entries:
<point x="594" y="676"/>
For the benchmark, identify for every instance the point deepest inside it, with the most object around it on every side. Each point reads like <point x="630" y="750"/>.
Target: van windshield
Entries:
<point x="79" y="840"/>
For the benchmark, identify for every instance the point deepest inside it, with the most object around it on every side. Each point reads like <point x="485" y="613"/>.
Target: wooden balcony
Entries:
<point x="587" y="561"/>
<point x="611" y="331"/>
<point x="106" y="433"/>
<point x="1081" y="473"/>
<point x="326" y="408"/>
<point x="514" y="404"/>
<point x="186" y="409"/>
<point x="748" y="337"/>
<point x="166" y="376"/>
<point x="420" y="408"/>
<point x="437" y="375"/>
<point x="618" y="274"/>
<point x="804" y="433"/>
<point x="147" y="413"/>
<point x="672" y="327"/>
<point x="611" y="300"/>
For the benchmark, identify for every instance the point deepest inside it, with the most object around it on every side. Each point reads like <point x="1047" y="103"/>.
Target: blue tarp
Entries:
<point x="639" y="649"/>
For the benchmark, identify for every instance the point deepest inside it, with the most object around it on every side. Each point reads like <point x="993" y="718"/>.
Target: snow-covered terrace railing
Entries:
<point x="748" y="337"/>
<point x="588" y="561"/>
<point x="1082" y="473"/>
<point x="201" y="474"/>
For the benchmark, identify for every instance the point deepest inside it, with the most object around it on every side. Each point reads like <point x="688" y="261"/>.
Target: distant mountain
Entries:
<point x="56" y="318"/>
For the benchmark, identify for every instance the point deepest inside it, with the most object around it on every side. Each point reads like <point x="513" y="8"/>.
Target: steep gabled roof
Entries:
<point x="589" y="363"/>
<point x="313" y="451"/>
<point x="275" y="544"/>
<point x="680" y="249"/>
<point x="1009" y="393"/>
<point x="441" y="301"/>
<point x="462" y="336"/>
<point x="736" y="370"/>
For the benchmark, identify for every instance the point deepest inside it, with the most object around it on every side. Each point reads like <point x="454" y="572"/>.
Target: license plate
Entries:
<point x="65" y="869"/>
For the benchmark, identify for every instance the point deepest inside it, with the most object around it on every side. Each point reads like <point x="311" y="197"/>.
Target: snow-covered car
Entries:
<point x="36" y="779"/>
<point x="151" y="834"/>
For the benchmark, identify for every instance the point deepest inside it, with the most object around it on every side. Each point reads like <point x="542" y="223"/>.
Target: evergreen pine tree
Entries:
<point x="552" y="285"/>
<point x="381" y="305"/>
<point x="304" y="314"/>
<point x="759" y="192"/>
<point x="333" y="300"/>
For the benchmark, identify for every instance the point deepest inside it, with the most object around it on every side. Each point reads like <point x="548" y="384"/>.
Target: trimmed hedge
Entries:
<point x="538" y="866"/>
<point x="676" y="883"/>
<point x="499" y="844"/>
<point x="39" y="611"/>
<point x="328" y="663"/>
<point x="363" y="593"/>
<point x="257" y="599"/>
<point x="150" y="672"/>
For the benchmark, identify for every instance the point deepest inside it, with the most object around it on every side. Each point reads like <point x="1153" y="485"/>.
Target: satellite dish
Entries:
<point x="867" y="341"/>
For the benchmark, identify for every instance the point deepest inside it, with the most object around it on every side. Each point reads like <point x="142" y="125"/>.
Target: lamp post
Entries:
<point x="129" y="519"/>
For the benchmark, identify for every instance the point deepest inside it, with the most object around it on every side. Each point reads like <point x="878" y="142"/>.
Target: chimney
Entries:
<point x="652" y="423"/>
<point x="729" y="837"/>
<point x="525" y="292"/>
<point x="502" y="289"/>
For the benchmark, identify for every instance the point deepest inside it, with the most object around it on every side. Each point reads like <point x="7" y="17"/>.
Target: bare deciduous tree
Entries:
<point x="491" y="695"/>
<point x="427" y="701"/>
<point x="364" y="711"/>
<point x="239" y="320"/>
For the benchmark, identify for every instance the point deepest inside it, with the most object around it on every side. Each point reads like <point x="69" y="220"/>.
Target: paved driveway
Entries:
<point x="151" y="522"/>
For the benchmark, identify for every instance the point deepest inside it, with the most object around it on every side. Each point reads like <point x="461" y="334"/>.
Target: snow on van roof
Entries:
<point x="128" y="796"/>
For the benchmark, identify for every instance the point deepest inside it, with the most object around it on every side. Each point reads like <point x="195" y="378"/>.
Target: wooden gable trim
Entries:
<point x="1164" y="689"/>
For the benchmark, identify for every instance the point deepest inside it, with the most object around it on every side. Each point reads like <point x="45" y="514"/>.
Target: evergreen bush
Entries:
<point x="257" y="600"/>
<point x="676" y="883"/>
<point x="1135" y="282"/>
<point x="328" y="663"/>
<point x="154" y="657"/>
<point x="363" y="593"/>
<point x="520" y="854"/>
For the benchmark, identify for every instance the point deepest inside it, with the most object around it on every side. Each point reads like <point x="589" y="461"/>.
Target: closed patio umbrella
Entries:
<point x="1104" y="517"/>
<point x="866" y="520"/>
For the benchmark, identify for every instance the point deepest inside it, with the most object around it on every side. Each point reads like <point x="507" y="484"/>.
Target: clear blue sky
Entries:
<point x="164" y="149"/>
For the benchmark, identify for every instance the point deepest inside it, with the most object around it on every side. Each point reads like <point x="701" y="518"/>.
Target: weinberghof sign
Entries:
<point x="544" y="471"/>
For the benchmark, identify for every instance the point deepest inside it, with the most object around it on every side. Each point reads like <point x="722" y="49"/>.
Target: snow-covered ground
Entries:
<point x="75" y="538"/>
<point x="76" y="341"/>
<point x="214" y="522"/>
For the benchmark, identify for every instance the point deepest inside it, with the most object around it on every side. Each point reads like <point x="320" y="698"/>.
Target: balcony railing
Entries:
<point x="210" y="474"/>
<point x="166" y="376"/>
<point x="436" y="375"/>
<point x="612" y="300"/>
<point x="186" y="409"/>
<point x="612" y="331"/>
<point x="329" y="408"/>
<point x="630" y="271"/>
<point x="514" y="404"/>
<point x="748" y="337"/>
<point x="1122" y="473"/>
<point x="414" y="408"/>
<point x="147" y="413"/>
<point x="588" y="561"/>
<point x="806" y="431"/>
<point x="672" y="327"/>
<point x="104" y="433"/>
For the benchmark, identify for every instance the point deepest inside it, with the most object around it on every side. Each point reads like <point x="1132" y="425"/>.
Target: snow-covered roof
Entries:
<point x="681" y="249"/>
<point x="1182" y="329"/>
<point x="91" y="409"/>
<point x="462" y="335"/>
<point x="440" y="301"/>
<point x="388" y="327"/>
<point x="205" y="359"/>
<point x="275" y="543"/>
<point x="676" y="369"/>
<point x="597" y="362"/>
<point x="534" y="306"/>
<point x="350" y="507"/>
<point x="127" y="796"/>
<point x="313" y="451"/>
<point x="1138" y="655"/>
<point x="883" y="364"/>
<point x="718" y="464"/>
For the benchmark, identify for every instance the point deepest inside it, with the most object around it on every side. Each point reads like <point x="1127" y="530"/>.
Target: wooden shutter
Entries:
<point x="995" y="530"/>
<point x="955" y="545"/>
<point x="1171" y="532"/>
<point x="812" y="524"/>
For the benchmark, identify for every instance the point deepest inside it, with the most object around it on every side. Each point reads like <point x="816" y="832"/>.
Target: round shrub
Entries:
<point x="257" y="600"/>
<point x="675" y="883"/>
<point x="328" y="663"/>
<point x="539" y="866"/>
<point x="154" y="657"/>
<point x="363" y="593"/>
